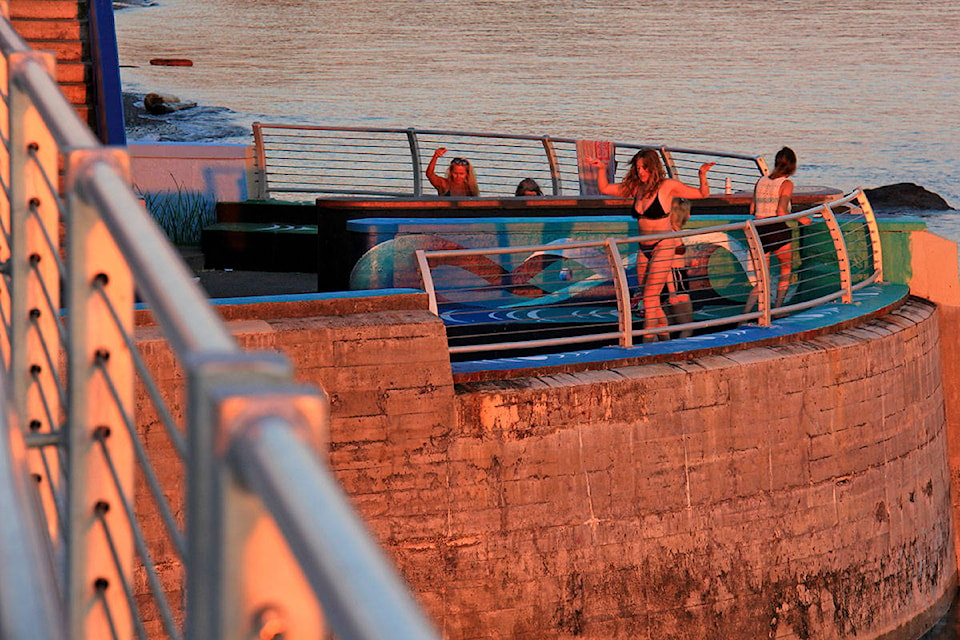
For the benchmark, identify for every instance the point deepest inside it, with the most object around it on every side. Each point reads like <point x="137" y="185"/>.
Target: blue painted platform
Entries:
<point x="869" y="302"/>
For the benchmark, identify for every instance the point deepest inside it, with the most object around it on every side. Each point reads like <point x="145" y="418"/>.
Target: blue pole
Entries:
<point x="106" y="73"/>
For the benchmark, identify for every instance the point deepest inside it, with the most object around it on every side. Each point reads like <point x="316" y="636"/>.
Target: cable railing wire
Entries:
<point x="35" y="372"/>
<point x="100" y="510"/>
<point x="35" y="212"/>
<point x="100" y="589"/>
<point x="158" y="403"/>
<point x="48" y="356"/>
<point x="146" y="467"/>
<point x="52" y="190"/>
<point x="518" y="287"/>
<point x="166" y="615"/>
<point x="55" y="496"/>
<point x="500" y="161"/>
<point x="52" y="306"/>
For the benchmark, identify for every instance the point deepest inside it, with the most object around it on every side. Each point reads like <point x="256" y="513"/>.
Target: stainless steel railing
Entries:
<point x="571" y="293"/>
<point x="301" y="162"/>
<point x="76" y="250"/>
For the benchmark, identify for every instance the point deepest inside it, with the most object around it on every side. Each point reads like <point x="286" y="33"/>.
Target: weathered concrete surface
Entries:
<point x="797" y="491"/>
<point x="935" y="275"/>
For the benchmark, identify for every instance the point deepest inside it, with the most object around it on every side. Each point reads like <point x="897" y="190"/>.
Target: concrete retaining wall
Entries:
<point x="798" y="491"/>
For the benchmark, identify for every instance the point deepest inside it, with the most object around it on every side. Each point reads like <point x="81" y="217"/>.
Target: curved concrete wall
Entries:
<point x="796" y="491"/>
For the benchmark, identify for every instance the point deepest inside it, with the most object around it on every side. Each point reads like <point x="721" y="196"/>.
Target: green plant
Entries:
<point x="182" y="214"/>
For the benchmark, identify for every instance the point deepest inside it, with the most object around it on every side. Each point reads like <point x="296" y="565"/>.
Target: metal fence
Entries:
<point x="575" y="293"/>
<point x="299" y="162"/>
<point x="77" y="250"/>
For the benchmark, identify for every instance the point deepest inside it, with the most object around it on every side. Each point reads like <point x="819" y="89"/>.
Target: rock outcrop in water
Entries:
<point x="906" y="195"/>
<point x="158" y="104"/>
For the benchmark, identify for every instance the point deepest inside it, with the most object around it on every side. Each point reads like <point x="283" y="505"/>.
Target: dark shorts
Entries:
<point x="774" y="235"/>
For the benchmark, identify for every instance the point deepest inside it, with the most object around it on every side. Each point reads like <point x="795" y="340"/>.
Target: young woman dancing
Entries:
<point x="653" y="194"/>
<point x="460" y="179"/>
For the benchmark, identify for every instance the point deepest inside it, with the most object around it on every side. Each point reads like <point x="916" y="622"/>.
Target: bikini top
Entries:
<point x="653" y="212"/>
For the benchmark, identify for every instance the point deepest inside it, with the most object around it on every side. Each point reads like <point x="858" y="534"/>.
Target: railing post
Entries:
<point x="241" y="571"/>
<point x="623" y="293"/>
<point x="426" y="278"/>
<point x="874" y="231"/>
<point x="843" y="260"/>
<point x="260" y="158"/>
<point x="551" y="152"/>
<point x="6" y="116"/>
<point x="761" y="272"/>
<point x="668" y="162"/>
<point x="414" y="143"/>
<point x="34" y="278"/>
<point x="762" y="166"/>
<point x="100" y="376"/>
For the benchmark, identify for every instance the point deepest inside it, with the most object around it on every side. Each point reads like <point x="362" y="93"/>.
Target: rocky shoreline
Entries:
<point x="173" y="120"/>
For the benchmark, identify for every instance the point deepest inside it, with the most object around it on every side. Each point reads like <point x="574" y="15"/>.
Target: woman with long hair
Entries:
<point x="771" y="199"/>
<point x="653" y="193"/>
<point x="460" y="179"/>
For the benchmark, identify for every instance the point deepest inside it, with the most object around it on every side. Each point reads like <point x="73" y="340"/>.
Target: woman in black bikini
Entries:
<point x="653" y="194"/>
<point x="460" y="179"/>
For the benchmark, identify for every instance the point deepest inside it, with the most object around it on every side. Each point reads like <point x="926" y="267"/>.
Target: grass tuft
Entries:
<point x="181" y="213"/>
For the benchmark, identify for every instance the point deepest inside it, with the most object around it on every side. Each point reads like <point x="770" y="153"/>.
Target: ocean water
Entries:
<point x="864" y="90"/>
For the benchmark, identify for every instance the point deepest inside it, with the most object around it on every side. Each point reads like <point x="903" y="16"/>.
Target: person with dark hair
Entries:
<point x="460" y="179"/>
<point x="771" y="199"/>
<point x="653" y="195"/>
<point x="528" y="187"/>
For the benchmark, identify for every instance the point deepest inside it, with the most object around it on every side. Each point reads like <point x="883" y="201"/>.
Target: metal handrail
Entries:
<point x="325" y="535"/>
<point x="111" y="250"/>
<point x="299" y="160"/>
<point x="496" y="276"/>
<point x="29" y="597"/>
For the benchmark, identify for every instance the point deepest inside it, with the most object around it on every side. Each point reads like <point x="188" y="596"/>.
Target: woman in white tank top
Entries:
<point x="771" y="198"/>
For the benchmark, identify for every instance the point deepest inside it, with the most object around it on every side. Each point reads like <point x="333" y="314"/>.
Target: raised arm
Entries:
<point x="603" y="185"/>
<point x="681" y="190"/>
<point x="783" y="202"/>
<point x="439" y="183"/>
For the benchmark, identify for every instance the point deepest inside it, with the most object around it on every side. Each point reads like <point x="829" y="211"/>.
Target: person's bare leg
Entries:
<point x="785" y="258"/>
<point x="641" y="276"/>
<point x="658" y="270"/>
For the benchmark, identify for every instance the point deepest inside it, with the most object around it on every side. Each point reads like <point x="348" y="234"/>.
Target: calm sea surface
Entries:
<point x="866" y="91"/>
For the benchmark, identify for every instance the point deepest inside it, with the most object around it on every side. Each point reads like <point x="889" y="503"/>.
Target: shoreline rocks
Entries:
<point x="158" y="104"/>
<point x="166" y="118"/>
